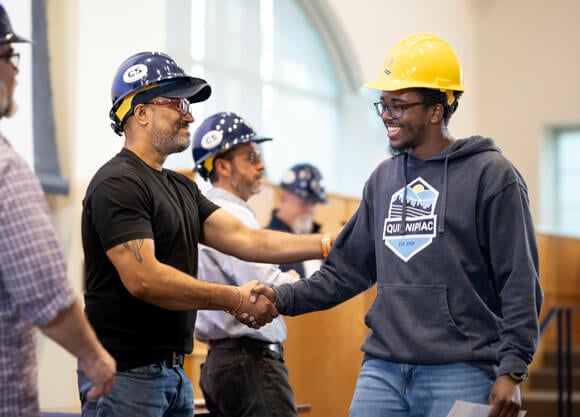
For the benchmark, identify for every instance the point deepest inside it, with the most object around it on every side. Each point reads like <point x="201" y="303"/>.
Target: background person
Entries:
<point x="444" y="230"/>
<point x="301" y="191"/>
<point x="244" y="373"/>
<point x="34" y="289"/>
<point x="141" y="225"/>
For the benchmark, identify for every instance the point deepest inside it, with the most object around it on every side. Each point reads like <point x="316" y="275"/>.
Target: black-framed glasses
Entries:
<point x="395" y="110"/>
<point x="182" y="103"/>
<point x="12" y="57"/>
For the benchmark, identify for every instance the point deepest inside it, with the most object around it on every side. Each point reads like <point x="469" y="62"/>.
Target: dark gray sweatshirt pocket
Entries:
<point x="414" y="324"/>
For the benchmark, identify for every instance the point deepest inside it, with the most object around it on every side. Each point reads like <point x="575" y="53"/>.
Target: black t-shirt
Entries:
<point x="128" y="200"/>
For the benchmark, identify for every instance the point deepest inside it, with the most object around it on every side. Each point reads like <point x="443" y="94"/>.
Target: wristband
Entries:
<point x="326" y="245"/>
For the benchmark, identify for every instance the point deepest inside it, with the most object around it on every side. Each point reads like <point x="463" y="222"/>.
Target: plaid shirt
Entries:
<point x="33" y="283"/>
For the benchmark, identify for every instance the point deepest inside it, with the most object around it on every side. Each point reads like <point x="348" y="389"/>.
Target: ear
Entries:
<point x="141" y="114"/>
<point x="221" y="166"/>
<point x="436" y="114"/>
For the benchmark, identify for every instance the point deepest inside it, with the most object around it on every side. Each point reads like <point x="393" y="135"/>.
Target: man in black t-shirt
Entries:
<point x="141" y="225"/>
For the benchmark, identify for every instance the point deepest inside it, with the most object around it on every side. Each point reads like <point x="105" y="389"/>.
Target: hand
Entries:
<point x="505" y="398"/>
<point x="252" y="313"/>
<point x="264" y="290"/>
<point x="293" y="273"/>
<point x="100" y="370"/>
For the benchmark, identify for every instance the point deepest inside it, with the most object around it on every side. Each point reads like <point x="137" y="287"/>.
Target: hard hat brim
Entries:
<point x="193" y="89"/>
<point x="13" y="38"/>
<point x="259" y="139"/>
<point x="385" y="84"/>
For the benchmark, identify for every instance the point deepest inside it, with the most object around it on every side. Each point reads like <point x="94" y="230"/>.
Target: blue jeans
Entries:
<point x="388" y="389"/>
<point x="246" y="383"/>
<point x="154" y="390"/>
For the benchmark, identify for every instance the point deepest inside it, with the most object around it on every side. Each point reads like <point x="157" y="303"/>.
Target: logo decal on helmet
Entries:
<point x="289" y="177"/>
<point x="212" y="139"/>
<point x="388" y="67"/>
<point x="134" y="73"/>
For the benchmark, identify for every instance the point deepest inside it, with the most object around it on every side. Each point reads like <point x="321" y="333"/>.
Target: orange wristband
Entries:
<point x="326" y="245"/>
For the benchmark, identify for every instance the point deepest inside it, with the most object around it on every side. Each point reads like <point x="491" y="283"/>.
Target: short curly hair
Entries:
<point x="439" y="97"/>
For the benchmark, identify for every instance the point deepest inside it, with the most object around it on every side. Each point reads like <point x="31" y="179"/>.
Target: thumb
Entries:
<point x="261" y="289"/>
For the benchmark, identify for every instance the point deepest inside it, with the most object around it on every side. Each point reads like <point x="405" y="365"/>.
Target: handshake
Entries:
<point x="256" y="307"/>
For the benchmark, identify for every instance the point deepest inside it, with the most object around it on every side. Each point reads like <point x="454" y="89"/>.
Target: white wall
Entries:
<point x="373" y="27"/>
<point x="519" y="58"/>
<point x="529" y="76"/>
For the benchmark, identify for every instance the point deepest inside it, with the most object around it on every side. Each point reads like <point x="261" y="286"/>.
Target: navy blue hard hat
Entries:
<point x="217" y="134"/>
<point x="147" y="75"/>
<point x="305" y="181"/>
<point x="7" y="34"/>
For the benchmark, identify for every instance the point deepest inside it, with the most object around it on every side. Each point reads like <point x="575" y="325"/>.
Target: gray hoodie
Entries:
<point x="451" y="245"/>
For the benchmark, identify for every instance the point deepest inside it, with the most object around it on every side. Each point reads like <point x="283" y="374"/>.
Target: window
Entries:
<point x="35" y="141"/>
<point x="267" y="61"/>
<point x="560" y="210"/>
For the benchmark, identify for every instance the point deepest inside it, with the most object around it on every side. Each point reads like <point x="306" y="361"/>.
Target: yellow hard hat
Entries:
<point x="421" y="60"/>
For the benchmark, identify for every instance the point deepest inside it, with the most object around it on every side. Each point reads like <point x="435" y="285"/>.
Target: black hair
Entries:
<point x="439" y="97"/>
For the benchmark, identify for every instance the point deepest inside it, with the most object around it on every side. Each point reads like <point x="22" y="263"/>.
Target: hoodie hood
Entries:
<point x="465" y="147"/>
<point x="461" y="148"/>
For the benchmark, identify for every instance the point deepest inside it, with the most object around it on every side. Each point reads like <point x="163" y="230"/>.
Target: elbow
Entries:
<point x="139" y="286"/>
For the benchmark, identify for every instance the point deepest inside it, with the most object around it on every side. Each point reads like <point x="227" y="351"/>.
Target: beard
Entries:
<point x="303" y="224"/>
<point x="167" y="143"/>
<point x="7" y="105"/>
<point x="245" y="187"/>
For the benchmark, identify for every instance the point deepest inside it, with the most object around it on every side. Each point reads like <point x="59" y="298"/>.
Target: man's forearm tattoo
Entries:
<point x="135" y="247"/>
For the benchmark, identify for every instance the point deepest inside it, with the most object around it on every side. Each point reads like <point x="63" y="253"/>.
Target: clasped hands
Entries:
<point x="258" y="308"/>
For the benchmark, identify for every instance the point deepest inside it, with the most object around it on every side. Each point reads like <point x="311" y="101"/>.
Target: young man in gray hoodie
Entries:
<point x="444" y="230"/>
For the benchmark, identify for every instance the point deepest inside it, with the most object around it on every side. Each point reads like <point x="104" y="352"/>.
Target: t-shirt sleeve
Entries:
<point x="206" y="207"/>
<point x="119" y="210"/>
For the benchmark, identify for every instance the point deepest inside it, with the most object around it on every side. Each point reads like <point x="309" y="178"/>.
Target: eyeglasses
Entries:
<point x="253" y="157"/>
<point x="182" y="104"/>
<point x="12" y="57"/>
<point x="395" y="110"/>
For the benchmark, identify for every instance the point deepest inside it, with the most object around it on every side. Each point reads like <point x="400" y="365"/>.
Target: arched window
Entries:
<point x="279" y="64"/>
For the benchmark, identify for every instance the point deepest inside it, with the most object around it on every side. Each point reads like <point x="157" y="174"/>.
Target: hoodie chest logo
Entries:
<point x="411" y="224"/>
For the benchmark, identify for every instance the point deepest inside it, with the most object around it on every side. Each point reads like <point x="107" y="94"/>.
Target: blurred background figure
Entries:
<point x="302" y="191"/>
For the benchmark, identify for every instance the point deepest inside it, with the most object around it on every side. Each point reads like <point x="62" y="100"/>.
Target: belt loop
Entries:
<point x="177" y="359"/>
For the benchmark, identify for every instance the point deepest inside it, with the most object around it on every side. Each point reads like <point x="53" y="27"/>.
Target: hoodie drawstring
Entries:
<point x="443" y="206"/>
<point x="404" y="214"/>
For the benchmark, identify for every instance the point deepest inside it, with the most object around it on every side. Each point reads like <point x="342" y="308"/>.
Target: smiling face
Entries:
<point x="170" y="127"/>
<point x="412" y="128"/>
